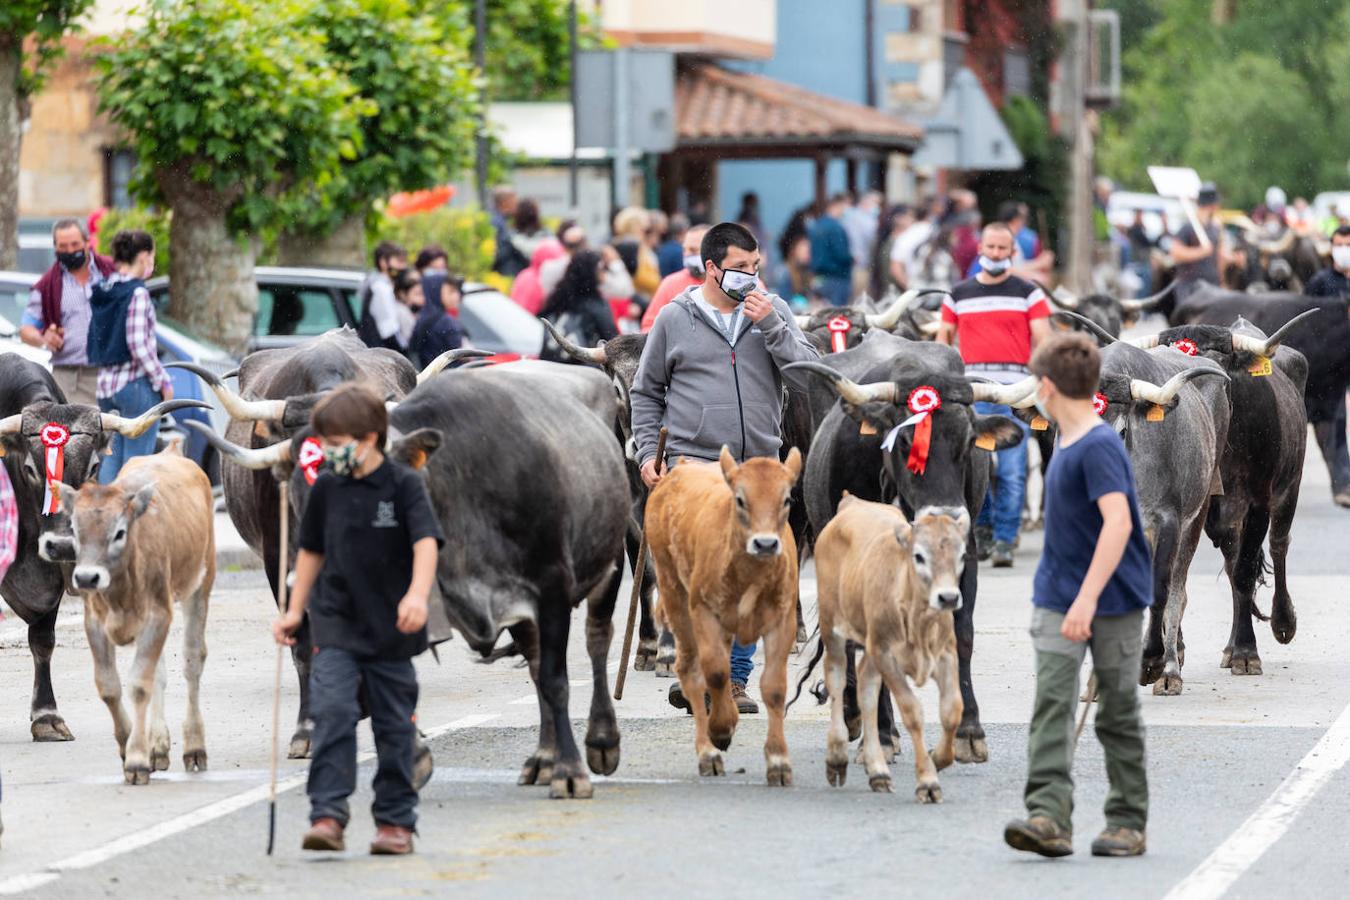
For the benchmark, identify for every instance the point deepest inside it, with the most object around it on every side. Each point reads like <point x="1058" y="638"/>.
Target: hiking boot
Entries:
<point x="984" y="541"/>
<point x="324" y="834"/>
<point x="1002" y="555"/>
<point x="744" y="704"/>
<point x="677" y="699"/>
<point x="1039" y="834"/>
<point x="1119" y="842"/>
<point x="391" y="840"/>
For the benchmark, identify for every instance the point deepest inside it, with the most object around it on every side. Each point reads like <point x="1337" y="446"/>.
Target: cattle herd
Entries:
<point x="530" y="467"/>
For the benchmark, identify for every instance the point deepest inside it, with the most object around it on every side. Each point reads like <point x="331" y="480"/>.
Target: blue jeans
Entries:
<point x="742" y="661"/>
<point x="1003" y="503"/>
<point x="132" y="400"/>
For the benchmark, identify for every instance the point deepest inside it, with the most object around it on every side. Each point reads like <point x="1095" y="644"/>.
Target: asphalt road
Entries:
<point x="1248" y="793"/>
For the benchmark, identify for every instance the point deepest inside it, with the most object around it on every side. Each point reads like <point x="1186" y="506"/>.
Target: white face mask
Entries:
<point x="737" y="284"/>
<point x="994" y="266"/>
<point x="1341" y="256"/>
<point x="693" y="265"/>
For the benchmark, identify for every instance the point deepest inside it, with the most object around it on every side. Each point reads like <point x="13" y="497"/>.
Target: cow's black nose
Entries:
<point x="765" y="545"/>
<point x="85" y="579"/>
<point x="949" y="599"/>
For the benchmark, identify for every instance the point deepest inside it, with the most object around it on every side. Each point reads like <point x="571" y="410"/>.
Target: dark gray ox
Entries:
<point x="1109" y="313"/>
<point x="847" y="455"/>
<point x="905" y="316"/>
<point x="40" y="575"/>
<point x="277" y="392"/>
<point x="1262" y="468"/>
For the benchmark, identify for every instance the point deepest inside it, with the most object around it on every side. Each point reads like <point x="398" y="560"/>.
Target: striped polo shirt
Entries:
<point x="993" y="324"/>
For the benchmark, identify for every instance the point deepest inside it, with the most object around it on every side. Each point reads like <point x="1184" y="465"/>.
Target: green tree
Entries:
<point x="43" y="23"/>
<point x="410" y="66"/>
<point x="527" y="54"/>
<point x="237" y="116"/>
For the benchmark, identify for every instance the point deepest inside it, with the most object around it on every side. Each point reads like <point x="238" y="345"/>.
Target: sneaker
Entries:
<point x="745" y="705"/>
<point x="1003" y="555"/>
<point x="1039" y="834"/>
<point x="984" y="541"/>
<point x="1119" y="842"/>
<point x="324" y="834"/>
<point x="391" y="840"/>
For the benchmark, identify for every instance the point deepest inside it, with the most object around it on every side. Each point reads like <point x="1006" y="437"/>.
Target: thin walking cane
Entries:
<point x="1088" y="699"/>
<point x="282" y="603"/>
<point x="639" y="570"/>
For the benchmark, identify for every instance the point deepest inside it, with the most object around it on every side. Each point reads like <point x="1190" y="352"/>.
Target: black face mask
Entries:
<point x="72" y="261"/>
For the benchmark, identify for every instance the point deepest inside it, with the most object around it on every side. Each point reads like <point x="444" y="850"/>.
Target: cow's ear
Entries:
<point x="728" y="463"/>
<point x="11" y="443"/>
<point x="902" y="532"/>
<point x="1003" y="431"/>
<point x="140" y="501"/>
<point x="415" y="448"/>
<point x="794" y="464"/>
<point x="873" y="417"/>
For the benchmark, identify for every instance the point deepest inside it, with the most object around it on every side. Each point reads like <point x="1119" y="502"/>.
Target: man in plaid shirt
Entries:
<point x="131" y="379"/>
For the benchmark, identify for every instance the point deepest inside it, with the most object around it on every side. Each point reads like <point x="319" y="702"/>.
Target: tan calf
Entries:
<point x="726" y="566"/>
<point x="141" y="543"/>
<point x="892" y="588"/>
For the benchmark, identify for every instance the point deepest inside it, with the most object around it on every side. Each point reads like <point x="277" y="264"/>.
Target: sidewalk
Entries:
<point x="231" y="551"/>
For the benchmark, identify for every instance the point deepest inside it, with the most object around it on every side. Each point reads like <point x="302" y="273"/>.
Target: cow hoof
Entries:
<point x="665" y="668"/>
<point x="644" y="660"/>
<point x="538" y="769"/>
<point x="780" y="774"/>
<point x="1283" y="628"/>
<point x="423" y="765"/>
<point x="50" y="727"/>
<point x="137" y="774"/>
<point x="836" y="773"/>
<point x="1245" y="664"/>
<point x="299" y="748"/>
<point x="571" y="787"/>
<point x="1226" y="660"/>
<point x="880" y="783"/>
<point x="721" y="739"/>
<point x="1150" y="670"/>
<point x="890" y="747"/>
<point x="602" y="760"/>
<point x="710" y="764"/>
<point x="928" y="793"/>
<point x="195" y="760"/>
<point x="1342" y="498"/>
<point x="159" y="759"/>
<point x="854" y="725"/>
<point x="971" y="749"/>
<point x="1167" y="686"/>
<point x="940" y="761"/>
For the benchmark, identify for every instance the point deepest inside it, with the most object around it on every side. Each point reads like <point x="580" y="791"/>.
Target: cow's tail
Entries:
<point x="806" y="674"/>
<point x="1262" y="570"/>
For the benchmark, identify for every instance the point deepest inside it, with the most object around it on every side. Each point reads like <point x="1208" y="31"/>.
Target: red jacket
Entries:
<point x="49" y="288"/>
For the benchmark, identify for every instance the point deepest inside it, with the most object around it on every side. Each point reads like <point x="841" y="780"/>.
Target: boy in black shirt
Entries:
<point x="368" y="546"/>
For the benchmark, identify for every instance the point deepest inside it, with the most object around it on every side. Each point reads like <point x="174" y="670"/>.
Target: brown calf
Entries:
<point x="892" y="588"/>
<point x="142" y="542"/>
<point x="726" y="566"/>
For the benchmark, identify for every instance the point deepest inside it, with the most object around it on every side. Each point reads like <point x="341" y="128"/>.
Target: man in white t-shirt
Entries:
<point x="906" y="247"/>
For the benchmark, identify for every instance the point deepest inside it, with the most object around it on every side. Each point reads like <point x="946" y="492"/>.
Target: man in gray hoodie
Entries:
<point x="711" y="373"/>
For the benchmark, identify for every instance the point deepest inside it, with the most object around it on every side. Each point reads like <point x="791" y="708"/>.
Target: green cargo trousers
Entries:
<point x="1116" y="645"/>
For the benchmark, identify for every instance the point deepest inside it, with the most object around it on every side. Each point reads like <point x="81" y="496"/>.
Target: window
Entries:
<point x="1016" y="73"/>
<point x="118" y="167"/>
<point x="287" y="310"/>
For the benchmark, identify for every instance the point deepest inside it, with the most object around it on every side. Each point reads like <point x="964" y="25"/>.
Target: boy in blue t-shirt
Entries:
<point x="1092" y="586"/>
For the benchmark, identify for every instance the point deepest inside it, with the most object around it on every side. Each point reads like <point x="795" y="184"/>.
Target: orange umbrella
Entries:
<point x="409" y="202"/>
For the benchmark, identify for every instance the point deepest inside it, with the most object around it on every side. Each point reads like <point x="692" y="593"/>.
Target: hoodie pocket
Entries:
<point x="761" y="430"/>
<point x="719" y="425"/>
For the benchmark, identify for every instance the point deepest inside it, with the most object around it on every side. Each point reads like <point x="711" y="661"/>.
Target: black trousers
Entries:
<point x="390" y="687"/>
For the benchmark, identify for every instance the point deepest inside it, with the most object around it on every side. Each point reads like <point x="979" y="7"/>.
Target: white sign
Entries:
<point x="1174" y="181"/>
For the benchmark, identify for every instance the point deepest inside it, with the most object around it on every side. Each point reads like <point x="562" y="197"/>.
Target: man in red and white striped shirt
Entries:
<point x="997" y="319"/>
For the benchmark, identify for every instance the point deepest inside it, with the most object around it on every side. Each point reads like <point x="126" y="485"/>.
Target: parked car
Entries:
<point x="36" y="253"/>
<point x="175" y="343"/>
<point x="295" y="303"/>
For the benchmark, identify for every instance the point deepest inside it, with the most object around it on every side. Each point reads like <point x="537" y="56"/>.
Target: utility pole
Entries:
<point x="480" y="60"/>
<point x="1075" y="126"/>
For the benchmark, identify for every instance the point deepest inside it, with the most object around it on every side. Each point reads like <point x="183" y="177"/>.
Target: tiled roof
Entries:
<point x="714" y="105"/>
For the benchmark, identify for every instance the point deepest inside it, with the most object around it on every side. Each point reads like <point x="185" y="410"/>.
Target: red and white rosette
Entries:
<point x="54" y="438"/>
<point x="310" y="458"/>
<point x="1099" y="404"/>
<point x="839" y="327"/>
<point x="1187" y="346"/>
<point x="924" y="400"/>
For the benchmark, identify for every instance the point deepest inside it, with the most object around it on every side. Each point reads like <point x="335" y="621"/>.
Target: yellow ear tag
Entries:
<point x="985" y="442"/>
<point x="867" y="428"/>
<point x="1040" y="423"/>
<point x="1155" y="413"/>
<point x="1261" y="368"/>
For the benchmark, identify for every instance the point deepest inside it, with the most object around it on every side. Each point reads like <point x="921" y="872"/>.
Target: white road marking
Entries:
<point x="1222" y="868"/>
<point x="28" y="881"/>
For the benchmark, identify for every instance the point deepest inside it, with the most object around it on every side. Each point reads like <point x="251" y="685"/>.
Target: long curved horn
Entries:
<point x="235" y="405"/>
<point x="250" y="458"/>
<point x="1268" y="346"/>
<point x="1101" y="334"/>
<point x="1147" y="342"/>
<point x="1148" y="392"/>
<point x="233" y="373"/>
<point x="802" y="321"/>
<point x="1283" y="243"/>
<point x="1004" y="394"/>
<point x="11" y="424"/>
<point x="585" y="354"/>
<point x="1143" y="303"/>
<point x="891" y="317"/>
<point x="850" y="390"/>
<point x="134" y="428"/>
<point x="437" y="365"/>
<point x="1063" y="298"/>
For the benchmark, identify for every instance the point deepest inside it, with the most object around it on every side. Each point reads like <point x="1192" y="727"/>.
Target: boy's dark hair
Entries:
<point x="127" y="245"/>
<point x="429" y="254"/>
<point x="352" y="409"/>
<point x="405" y="281"/>
<point x="1342" y="231"/>
<point x="387" y="250"/>
<point x="1010" y="211"/>
<point x="1072" y="361"/>
<point x="723" y="237"/>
